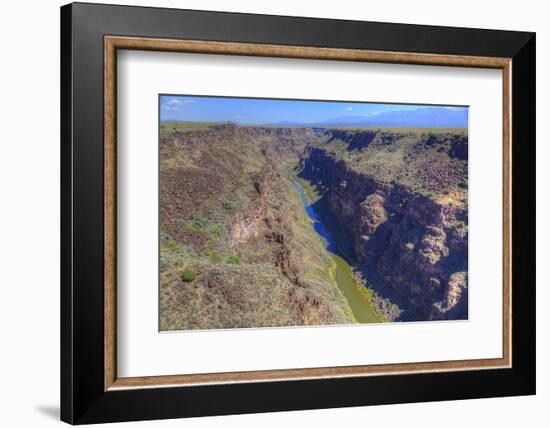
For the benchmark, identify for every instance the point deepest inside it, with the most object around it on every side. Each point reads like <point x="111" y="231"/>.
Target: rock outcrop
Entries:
<point x="418" y="246"/>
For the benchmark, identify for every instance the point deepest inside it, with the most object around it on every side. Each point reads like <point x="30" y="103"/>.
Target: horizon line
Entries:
<point x="311" y="125"/>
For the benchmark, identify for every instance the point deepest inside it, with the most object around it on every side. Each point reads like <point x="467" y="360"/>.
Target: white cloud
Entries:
<point x="349" y="108"/>
<point x="177" y="105"/>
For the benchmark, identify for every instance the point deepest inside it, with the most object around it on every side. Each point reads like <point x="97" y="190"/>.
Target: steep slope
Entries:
<point x="395" y="199"/>
<point x="399" y="198"/>
<point x="229" y="216"/>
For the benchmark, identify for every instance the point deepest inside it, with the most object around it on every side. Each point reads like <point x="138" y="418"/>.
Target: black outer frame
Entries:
<point x="83" y="399"/>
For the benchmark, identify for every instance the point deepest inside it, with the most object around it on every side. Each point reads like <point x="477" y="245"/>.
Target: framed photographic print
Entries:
<point x="264" y="213"/>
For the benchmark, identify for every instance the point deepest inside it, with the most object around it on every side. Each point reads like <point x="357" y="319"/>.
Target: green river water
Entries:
<point x="357" y="295"/>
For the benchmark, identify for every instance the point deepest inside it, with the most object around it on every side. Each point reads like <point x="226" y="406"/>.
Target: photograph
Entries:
<point x="290" y="212"/>
<point x="264" y="212"/>
<point x="238" y="214"/>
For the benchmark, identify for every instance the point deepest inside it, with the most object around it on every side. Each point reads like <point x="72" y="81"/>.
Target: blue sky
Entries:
<point x="266" y="111"/>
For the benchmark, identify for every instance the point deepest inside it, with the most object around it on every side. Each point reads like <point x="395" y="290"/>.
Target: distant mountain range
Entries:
<point x="437" y="117"/>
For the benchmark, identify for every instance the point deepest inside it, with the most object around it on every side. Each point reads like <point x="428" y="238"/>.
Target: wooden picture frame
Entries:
<point x="91" y="390"/>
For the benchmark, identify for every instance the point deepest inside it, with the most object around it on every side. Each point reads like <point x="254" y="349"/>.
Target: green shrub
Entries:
<point x="198" y="223"/>
<point x="230" y="206"/>
<point x="463" y="184"/>
<point x="188" y="275"/>
<point x="216" y="230"/>
<point x="171" y="244"/>
<point x="215" y="257"/>
<point x="235" y="260"/>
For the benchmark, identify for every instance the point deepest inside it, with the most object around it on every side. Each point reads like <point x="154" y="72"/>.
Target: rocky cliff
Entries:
<point x="396" y="198"/>
<point x="417" y="244"/>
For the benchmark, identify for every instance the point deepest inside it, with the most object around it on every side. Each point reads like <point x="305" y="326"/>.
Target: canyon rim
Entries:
<point x="277" y="213"/>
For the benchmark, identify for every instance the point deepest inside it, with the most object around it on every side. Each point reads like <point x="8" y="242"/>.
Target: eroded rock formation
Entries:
<point x="417" y="245"/>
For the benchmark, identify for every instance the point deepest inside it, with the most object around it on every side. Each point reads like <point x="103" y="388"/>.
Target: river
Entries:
<point x="356" y="294"/>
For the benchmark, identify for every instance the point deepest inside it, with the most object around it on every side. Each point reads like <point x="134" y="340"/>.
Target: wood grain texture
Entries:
<point x="112" y="43"/>
<point x="296" y="374"/>
<point x="110" y="185"/>
<point x="280" y="51"/>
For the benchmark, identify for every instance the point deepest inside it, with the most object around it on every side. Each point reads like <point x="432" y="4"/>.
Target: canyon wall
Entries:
<point x="229" y="213"/>
<point x="418" y="246"/>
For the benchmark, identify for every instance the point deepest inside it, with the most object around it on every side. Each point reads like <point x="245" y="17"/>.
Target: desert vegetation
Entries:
<point x="229" y="213"/>
<point x="237" y="246"/>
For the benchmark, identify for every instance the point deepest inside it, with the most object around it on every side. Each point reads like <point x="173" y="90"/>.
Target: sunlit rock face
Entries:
<point x="416" y="241"/>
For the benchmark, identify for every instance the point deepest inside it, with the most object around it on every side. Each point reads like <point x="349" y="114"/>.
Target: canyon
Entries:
<point x="417" y="246"/>
<point x="394" y="202"/>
